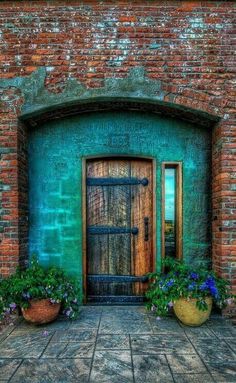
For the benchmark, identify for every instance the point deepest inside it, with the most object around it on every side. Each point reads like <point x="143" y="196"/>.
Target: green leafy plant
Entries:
<point x="7" y="304"/>
<point x="180" y="280"/>
<point x="37" y="282"/>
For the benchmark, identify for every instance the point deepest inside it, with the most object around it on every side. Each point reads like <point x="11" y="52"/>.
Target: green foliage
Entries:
<point x="179" y="280"/>
<point x="37" y="282"/>
<point x="5" y="298"/>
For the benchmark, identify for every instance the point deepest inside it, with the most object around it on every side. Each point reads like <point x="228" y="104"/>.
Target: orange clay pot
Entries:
<point x="41" y="311"/>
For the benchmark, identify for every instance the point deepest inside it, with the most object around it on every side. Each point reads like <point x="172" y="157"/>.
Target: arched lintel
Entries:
<point x="83" y="105"/>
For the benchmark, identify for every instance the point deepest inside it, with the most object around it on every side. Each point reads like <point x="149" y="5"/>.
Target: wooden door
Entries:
<point x="119" y="229"/>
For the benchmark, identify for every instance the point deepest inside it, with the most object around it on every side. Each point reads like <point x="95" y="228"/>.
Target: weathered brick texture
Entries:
<point x="189" y="46"/>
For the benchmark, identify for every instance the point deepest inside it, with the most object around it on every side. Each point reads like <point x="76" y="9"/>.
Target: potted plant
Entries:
<point x="188" y="290"/>
<point x="40" y="293"/>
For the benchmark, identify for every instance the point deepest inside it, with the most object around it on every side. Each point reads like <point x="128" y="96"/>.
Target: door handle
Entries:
<point x="146" y="228"/>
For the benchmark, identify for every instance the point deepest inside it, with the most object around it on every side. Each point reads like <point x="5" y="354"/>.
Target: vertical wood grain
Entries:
<point x="119" y="206"/>
<point x="97" y="214"/>
<point x="141" y="207"/>
<point x="119" y="216"/>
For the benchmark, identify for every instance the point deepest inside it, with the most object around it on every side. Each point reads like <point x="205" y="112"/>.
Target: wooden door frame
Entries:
<point x="84" y="208"/>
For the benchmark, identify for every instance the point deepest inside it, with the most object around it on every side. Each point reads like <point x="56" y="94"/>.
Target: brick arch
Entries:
<point x="14" y="248"/>
<point x="82" y="105"/>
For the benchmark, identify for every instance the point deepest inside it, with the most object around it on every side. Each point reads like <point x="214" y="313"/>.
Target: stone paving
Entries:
<point x="118" y="345"/>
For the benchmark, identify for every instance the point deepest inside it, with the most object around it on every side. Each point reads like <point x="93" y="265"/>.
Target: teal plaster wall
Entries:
<point x="56" y="150"/>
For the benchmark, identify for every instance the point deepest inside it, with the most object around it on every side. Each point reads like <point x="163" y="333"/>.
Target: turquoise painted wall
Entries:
<point x="56" y="150"/>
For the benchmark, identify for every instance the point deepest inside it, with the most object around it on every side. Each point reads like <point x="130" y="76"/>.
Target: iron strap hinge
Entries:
<point x="110" y="181"/>
<point x="104" y="278"/>
<point x="112" y="230"/>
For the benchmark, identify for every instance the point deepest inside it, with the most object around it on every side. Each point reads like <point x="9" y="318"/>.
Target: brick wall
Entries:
<point x="187" y="45"/>
<point x="9" y="191"/>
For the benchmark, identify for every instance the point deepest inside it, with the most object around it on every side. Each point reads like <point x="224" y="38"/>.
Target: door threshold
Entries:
<point x="116" y="299"/>
<point x="114" y="304"/>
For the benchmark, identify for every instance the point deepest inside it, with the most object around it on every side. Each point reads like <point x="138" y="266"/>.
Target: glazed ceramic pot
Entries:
<point x="41" y="311"/>
<point x="188" y="313"/>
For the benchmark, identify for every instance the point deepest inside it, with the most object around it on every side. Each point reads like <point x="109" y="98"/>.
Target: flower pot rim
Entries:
<point x="43" y="299"/>
<point x="41" y="311"/>
<point x="189" y="314"/>
<point x="188" y="299"/>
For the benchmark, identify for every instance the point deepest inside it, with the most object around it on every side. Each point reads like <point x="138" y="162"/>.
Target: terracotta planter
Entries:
<point x="41" y="311"/>
<point x="188" y="313"/>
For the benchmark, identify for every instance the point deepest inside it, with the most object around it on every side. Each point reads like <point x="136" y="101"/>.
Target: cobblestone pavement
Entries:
<point x="118" y="345"/>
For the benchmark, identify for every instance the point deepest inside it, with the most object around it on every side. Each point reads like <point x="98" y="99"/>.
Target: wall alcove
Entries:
<point x="58" y="152"/>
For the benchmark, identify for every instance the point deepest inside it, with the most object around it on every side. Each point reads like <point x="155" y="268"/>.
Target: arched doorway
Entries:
<point x="60" y="149"/>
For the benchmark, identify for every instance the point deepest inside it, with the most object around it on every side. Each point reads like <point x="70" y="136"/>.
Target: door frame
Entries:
<point x="85" y="159"/>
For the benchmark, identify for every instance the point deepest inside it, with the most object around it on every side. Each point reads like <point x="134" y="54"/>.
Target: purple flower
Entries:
<point x="170" y="304"/>
<point x="170" y="283"/>
<point x="229" y="301"/>
<point x="158" y="318"/>
<point x="26" y="295"/>
<point x="214" y="291"/>
<point x="12" y="306"/>
<point x="194" y="276"/>
<point x="68" y="312"/>
<point x="203" y="286"/>
<point x="210" y="282"/>
<point x="45" y="333"/>
<point x="191" y="286"/>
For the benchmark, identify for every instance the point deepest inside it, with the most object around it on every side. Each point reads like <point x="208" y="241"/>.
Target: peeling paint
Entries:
<point x="123" y="44"/>
<point x="49" y="68"/>
<point x="155" y="45"/>
<point x="136" y="86"/>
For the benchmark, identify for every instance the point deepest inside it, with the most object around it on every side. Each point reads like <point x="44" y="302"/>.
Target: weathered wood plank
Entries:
<point x="97" y="208"/>
<point x="97" y="254"/>
<point x="141" y="208"/>
<point x="119" y="215"/>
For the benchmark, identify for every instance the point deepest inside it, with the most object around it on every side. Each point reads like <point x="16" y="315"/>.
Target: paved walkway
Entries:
<point x="119" y="345"/>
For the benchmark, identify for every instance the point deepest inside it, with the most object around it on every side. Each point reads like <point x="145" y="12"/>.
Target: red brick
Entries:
<point x="187" y="46"/>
